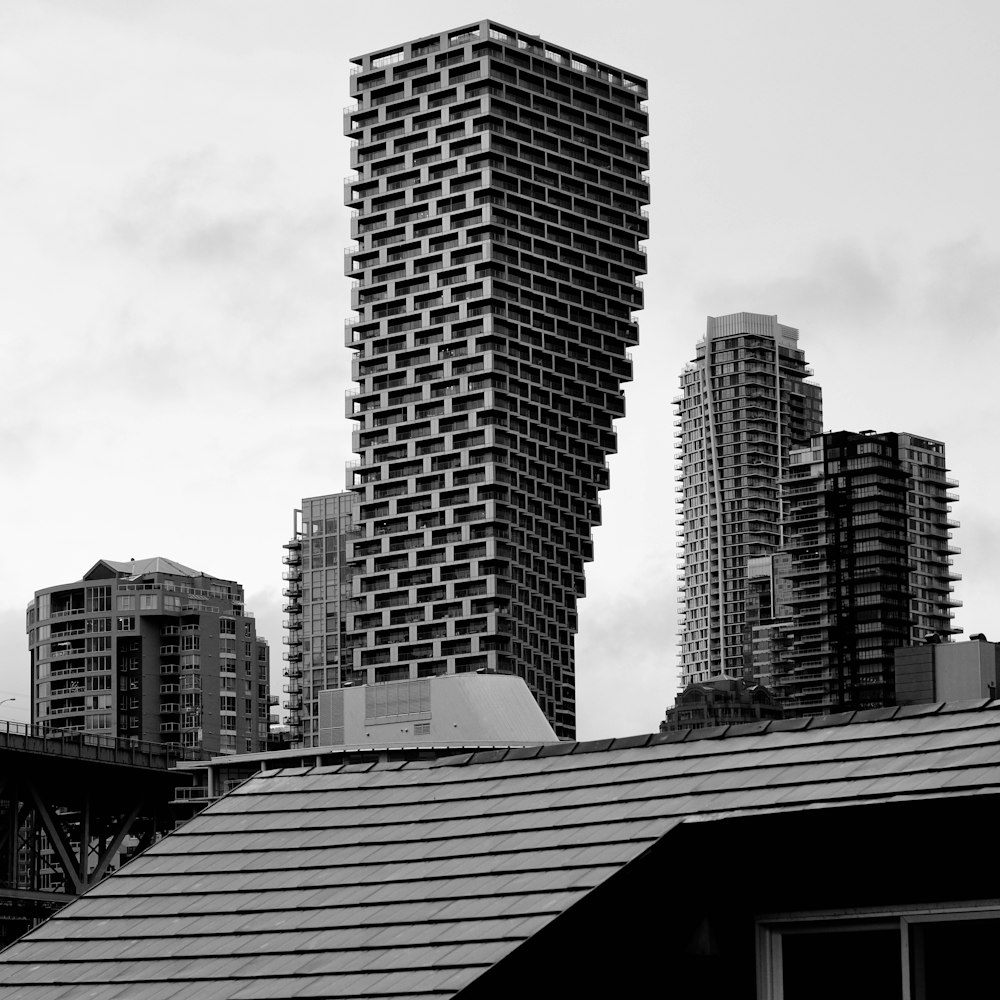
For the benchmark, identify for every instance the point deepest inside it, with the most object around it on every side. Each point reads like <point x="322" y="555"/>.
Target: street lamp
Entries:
<point x="3" y="701"/>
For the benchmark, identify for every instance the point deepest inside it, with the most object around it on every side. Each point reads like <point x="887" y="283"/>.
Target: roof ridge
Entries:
<point x="763" y="727"/>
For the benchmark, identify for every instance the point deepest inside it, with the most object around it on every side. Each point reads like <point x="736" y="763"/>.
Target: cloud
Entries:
<point x="626" y="659"/>
<point x="15" y="666"/>
<point x="202" y="210"/>
<point x="842" y="282"/>
<point x="962" y="290"/>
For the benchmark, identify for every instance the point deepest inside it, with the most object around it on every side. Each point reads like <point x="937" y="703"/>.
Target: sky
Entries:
<point x="172" y="293"/>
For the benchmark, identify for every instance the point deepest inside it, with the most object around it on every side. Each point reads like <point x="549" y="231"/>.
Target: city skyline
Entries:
<point x="173" y="291"/>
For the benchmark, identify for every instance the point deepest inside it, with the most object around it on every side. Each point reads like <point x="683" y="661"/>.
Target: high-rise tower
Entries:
<point x="317" y="596"/>
<point x="745" y="403"/>
<point x="498" y="217"/>
<point x="868" y="543"/>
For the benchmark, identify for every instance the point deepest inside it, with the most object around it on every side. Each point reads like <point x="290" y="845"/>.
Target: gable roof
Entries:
<point x="399" y="879"/>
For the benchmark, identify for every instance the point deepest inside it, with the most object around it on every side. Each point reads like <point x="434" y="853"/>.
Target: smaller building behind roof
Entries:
<point x="946" y="671"/>
<point x="452" y="708"/>
<point x="410" y="720"/>
<point x="724" y="701"/>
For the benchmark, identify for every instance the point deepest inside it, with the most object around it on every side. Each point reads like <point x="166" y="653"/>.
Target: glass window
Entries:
<point x="921" y="956"/>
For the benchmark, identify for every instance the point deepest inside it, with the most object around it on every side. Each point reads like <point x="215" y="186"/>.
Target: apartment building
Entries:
<point x="317" y="598"/>
<point x="498" y="194"/>
<point x="869" y="541"/>
<point x="745" y="403"/>
<point x="152" y="650"/>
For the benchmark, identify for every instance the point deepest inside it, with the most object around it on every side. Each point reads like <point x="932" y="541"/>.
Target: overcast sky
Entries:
<point x="172" y="293"/>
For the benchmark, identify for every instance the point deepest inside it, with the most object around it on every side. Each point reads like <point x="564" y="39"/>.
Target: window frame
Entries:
<point x="770" y="929"/>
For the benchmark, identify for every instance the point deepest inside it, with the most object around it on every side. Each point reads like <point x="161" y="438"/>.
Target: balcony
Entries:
<point x="56" y="653"/>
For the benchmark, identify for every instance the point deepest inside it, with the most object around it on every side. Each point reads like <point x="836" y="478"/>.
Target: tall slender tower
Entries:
<point x="317" y="593"/>
<point x="745" y="403"/>
<point x="498" y="217"/>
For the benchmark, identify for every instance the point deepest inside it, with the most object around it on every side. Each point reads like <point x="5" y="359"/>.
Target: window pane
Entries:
<point x="848" y="964"/>
<point x="955" y="958"/>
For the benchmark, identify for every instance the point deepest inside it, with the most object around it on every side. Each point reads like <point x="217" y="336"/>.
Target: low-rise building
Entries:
<point x="947" y="671"/>
<point x="533" y="871"/>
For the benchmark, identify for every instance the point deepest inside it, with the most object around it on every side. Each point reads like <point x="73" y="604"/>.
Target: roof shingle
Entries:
<point x="403" y="880"/>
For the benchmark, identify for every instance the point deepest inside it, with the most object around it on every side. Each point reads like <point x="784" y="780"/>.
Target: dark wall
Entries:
<point x="681" y="920"/>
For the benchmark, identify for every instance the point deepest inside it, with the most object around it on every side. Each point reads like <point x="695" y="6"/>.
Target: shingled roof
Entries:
<point x="407" y="879"/>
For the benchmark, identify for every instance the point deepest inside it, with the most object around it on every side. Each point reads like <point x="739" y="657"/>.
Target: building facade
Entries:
<point x="152" y="650"/>
<point x="724" y="701"/>
<point x="317" y="597"/>
<point x="947" y="671"/>
<point x="868" y="535"/>
<point x="498" y="198"/>
<point x="744" y="405"/>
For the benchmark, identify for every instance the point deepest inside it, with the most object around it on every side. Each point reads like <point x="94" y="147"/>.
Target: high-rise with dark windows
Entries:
<point x="868" y="547"/>
<point x="744" y="405"/>
<point x="498" y="217"/>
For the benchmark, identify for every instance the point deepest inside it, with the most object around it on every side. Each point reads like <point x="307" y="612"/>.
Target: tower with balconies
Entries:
<point x="151" y="650"/>
<point x="745" y="404"/>
<point x="317" y="596"/>
<point x="498" y="203"/>
<point x="868" y="538"/>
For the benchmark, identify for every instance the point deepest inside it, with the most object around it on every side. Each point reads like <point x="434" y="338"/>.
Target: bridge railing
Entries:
<point x="78" y="743"/>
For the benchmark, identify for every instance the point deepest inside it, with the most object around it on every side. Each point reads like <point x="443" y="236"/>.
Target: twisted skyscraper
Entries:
<point x="498" y="217"/>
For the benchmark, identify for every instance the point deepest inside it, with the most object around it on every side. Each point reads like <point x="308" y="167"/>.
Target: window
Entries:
<point x="928" y="954"/>
<point x="227" y="626"/>
<point x="149" y="602"/>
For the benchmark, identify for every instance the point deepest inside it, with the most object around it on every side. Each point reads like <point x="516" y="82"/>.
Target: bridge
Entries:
<point x="73" y="807"/>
